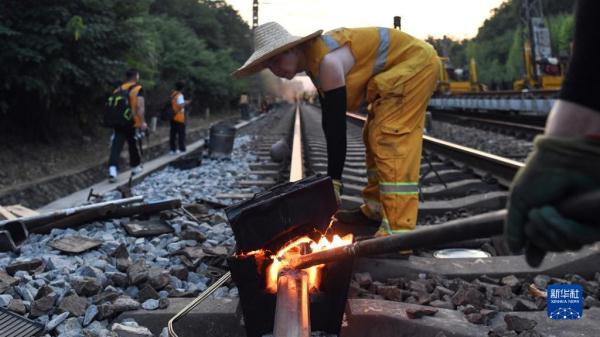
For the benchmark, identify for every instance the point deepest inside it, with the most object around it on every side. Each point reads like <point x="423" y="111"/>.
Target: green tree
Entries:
<point x="49" y="76"/>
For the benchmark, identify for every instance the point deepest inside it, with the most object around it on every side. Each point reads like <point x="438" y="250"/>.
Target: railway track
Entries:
<point x="535" y="103"/>
<point x="495" y="123"/>
<point x="456" y="182"/>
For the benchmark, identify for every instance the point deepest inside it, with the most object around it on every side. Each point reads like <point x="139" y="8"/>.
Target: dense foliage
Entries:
<point x="61" y="59"/>
<point x="498" y="46"/>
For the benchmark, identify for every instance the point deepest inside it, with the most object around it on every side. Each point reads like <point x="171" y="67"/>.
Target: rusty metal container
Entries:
<point x="221" y="138"/>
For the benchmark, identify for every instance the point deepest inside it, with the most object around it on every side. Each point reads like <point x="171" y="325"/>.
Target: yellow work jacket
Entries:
<point x="133" y="99"/>
<point x="384" y="59"/>
<point x="179" y="115"/>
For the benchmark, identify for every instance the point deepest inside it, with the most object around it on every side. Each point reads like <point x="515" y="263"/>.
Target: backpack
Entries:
<point x="118" y="112"/>
<point x="166" y="112"/>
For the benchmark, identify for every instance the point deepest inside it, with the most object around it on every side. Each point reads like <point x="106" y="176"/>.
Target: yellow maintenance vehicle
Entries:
<point x="542" y="71"/>
<point x="453" y="81"/>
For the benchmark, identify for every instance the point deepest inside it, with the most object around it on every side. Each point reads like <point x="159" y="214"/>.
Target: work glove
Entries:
<point x="337" y="189"/>
<point x="556" y="170"/>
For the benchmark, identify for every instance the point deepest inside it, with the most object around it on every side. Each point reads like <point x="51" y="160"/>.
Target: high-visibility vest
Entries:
<point x="133" y="100"/>
<point x="179" y="115"/>
<point x="384" y="59"/>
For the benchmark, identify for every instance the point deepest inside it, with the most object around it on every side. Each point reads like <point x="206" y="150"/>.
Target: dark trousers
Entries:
<point x="177" y="131"/>
<point x="122" y="135"/>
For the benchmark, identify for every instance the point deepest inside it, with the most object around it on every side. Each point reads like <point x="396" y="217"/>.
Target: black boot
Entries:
<point x="355" y="217"/>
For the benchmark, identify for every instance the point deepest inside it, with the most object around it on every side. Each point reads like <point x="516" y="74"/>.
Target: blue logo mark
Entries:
<point x="564" y="301"/>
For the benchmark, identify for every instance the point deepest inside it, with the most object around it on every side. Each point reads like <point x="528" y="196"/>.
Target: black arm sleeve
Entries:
<point x="582" y="83"/>
<point x="333" y="105"/>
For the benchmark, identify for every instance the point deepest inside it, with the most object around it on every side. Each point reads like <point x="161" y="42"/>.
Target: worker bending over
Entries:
<point x="392" y="74"/>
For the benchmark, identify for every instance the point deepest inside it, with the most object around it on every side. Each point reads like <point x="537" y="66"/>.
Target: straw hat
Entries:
<point x="270" y="39"/>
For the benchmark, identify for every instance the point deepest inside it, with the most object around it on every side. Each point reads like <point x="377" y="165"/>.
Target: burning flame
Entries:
<point x="282" y="257"/>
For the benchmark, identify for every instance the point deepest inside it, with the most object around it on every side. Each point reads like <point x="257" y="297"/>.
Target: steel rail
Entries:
<point x="481" y="162"/>
<point x="292" y="313"/>
<point x="297" y="164"/>
<point x="527" y="128"/>
<point x="296" y="173"/>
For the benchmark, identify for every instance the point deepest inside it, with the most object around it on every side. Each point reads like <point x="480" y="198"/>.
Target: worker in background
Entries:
<point x="177" y="134"/>
<point x="566" y="159"/>
<point x="127" y="133"/>
<point x="244" y="106"/>
<point x="390" y="72"/>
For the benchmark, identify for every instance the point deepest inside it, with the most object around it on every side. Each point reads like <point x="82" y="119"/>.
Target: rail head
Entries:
<point x="297" y="164"/>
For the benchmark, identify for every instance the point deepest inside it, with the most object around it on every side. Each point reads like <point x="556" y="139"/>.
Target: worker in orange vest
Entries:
<point x="127" y="133"/>
<point x="177" y="134"/>
<point x="391" y="73"/>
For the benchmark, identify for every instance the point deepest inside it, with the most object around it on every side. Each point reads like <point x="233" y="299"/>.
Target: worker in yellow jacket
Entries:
<point x="391" y="73"/>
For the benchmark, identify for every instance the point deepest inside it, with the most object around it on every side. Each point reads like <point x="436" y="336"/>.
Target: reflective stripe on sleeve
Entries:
<point x="382" y="51"/>
<point x="330" y="42"/>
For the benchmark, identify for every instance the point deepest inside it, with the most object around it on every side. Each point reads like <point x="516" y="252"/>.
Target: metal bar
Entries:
<point x="292" y="313"/>
<point x="226" y="277"/>
<point x="297" y="165"/>
<point x="75" y="220"/>
<point x="54" y="215"/>
<point x="118" y="212"/>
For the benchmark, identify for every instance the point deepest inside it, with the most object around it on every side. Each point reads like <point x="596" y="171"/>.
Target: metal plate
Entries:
<point x="460" y="253"/>
<point x="13" y="325"/>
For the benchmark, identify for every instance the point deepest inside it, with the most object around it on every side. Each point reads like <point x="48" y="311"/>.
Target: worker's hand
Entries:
<point x="337" y="189"/>
<point x="144" y="126"/>
<point x="558" y="168"/>
<point x="549" y="231"/>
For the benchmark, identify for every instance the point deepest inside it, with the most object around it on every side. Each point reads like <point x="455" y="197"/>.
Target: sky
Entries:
<point x="458" y="19"/>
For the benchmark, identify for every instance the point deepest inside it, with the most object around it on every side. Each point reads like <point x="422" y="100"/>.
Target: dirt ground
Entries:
<point x="22" y="164"/>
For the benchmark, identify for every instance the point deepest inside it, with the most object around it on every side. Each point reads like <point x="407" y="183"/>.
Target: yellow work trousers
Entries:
<point x="393" y="137"/>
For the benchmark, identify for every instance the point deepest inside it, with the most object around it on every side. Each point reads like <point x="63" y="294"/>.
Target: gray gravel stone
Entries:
<point x="90" y="314"/>
<point x="17" y="306"/>
<point x="5" y="300"/>
<point x="123" y="330"/>
<point x="56" y="320"/>
<point x="74" y="304"/>
<point x="125" y="303"/>
<point x="518" y="324"/>
<point x="150" y="304"/>
<point x="86" y="286"/>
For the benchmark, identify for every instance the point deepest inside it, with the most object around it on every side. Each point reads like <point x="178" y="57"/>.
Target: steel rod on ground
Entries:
<point x="55" y="215"/>
<point x="292" y="316"/>
<point x="109" y="212"/>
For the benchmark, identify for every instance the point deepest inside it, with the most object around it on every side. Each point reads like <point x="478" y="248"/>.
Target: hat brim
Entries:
<point x="258" y="64"/>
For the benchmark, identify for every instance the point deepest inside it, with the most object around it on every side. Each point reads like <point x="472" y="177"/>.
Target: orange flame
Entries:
<point x="283" y="256"/>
